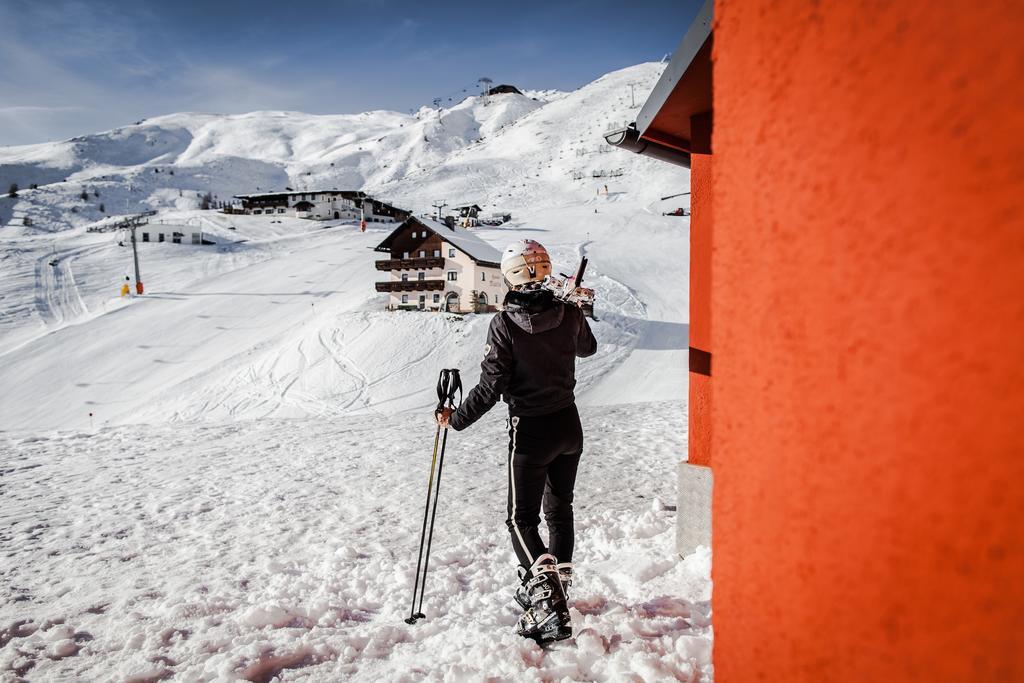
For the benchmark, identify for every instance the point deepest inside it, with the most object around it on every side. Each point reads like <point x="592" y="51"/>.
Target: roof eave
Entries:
<point x="641" y="137"/>
<point x="689" y="46"/>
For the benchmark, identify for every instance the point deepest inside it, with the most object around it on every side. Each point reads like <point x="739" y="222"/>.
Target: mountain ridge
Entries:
<point x="524" y="146"/>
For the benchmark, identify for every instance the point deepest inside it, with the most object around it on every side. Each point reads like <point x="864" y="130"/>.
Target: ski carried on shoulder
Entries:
<point x="568" y="288"/>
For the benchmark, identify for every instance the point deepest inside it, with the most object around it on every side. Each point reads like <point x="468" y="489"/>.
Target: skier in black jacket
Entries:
<point x="530" y="362"/>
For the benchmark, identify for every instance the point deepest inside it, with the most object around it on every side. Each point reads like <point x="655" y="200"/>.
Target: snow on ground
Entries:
<point x="291" y="326"/>
<point x="287" y="547"/>
<point x="223" y="478"/>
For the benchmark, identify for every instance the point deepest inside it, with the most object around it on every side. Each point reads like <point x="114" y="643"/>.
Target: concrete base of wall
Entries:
<point x="693" y="509"/>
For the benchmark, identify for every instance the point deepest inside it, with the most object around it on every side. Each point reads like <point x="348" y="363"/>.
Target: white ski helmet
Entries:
<point x="525" y="261"/>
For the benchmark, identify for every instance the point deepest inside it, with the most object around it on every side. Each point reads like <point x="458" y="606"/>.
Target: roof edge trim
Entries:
<point x="687" y="49"/>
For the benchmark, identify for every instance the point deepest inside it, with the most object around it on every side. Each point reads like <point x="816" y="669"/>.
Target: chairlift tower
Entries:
<point x="439" y="206"/>
<point x="632" y="93"/>
<point x="485" y="88"/>
<point x="135" y="254"/>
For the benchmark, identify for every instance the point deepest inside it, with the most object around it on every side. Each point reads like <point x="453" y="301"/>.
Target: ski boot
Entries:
<point x="547" y="618"/>
<point x="522" y="595"/>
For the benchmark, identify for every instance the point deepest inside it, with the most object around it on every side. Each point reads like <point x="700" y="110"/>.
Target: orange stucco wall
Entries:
<point x="868" y="300"/>
<point x="701" y="223"/>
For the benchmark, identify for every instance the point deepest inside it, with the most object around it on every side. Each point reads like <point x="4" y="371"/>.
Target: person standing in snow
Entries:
<point x="530" y="363"/>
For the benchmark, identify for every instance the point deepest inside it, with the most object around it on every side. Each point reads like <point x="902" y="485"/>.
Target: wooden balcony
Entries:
<point x="410" y="263"/>
<point x="411" y="286"/>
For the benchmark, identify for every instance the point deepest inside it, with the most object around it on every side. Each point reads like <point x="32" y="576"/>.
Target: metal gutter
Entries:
<point x="629" y="139"/>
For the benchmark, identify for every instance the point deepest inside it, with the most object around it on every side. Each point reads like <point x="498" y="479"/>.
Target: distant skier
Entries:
<point x="530" y="362"/>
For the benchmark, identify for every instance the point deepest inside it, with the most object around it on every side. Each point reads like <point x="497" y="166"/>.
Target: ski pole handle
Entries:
<point x="442" y="389"/>
<point x="448" y="382"/>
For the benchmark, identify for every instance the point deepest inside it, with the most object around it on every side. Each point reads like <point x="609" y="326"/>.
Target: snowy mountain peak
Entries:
<point x="504" y="149"/>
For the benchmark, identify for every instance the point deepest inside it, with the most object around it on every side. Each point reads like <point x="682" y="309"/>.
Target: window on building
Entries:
<point x="160" y="237"/>
<point x="483" y="277"/>
<point x="414" y="234"/>
<point x="451" y="253"/>
<point x="423" y="253"/>
<point x="405" y="277"/>
<point x="405" y="254"/>
<point x="405" y="298"/>
<point x="437" y="253"/>
<point x="145" y="237"/>
<point x="280" y="210"/>
<point x="421" y="276"/>
<point x="257" y="211"/>
<point x="452" y="275"/>
<point x="437" y="298"/>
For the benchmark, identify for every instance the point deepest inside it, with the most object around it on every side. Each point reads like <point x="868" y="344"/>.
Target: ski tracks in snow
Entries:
<point x="57" y="299"/>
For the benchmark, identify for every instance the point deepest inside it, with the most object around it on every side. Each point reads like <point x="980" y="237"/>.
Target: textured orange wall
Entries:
<point x="868" y="298"/>
<point x="701" y="213"/>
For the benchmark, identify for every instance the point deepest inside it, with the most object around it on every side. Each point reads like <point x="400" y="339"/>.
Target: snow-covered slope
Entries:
<point x="212" y="481"/>
<point x="511" y="152"/>
<point x="505" y="151"/>
<point x="227" y="155"/>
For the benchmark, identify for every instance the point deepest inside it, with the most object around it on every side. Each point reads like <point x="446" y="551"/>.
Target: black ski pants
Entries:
<point x="543" y="454"/>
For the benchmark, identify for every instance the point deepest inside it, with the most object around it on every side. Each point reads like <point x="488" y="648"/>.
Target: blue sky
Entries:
<point x="75" y="67"/>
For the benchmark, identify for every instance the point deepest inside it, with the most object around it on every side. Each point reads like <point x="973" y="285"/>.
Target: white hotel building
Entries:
<point x="434" y="267"/>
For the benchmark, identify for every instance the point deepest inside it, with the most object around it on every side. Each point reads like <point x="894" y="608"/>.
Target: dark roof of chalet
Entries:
<point x="662" y="128"/>
<point x="462" y="239"/>
<point x="504" y="89"/>
<point x="303" y="205"/>
<point x="467" y="206"/>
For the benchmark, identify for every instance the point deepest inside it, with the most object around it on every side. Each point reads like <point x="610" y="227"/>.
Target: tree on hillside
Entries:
<point x="12" y="191"/>
<point x="84" y="196"/>
<point x="103" y="209"/>
<point x="96" y="193"/>
<point x="206" y="202"/>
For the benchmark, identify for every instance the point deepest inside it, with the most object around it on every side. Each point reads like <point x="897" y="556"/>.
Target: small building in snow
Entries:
<point x="468" y="211"/>
<point x="322" y="205"/>
<point x="504" y="89"/>
<point x="440" y="268"/>
<point x="467" y="216"/>
<point x="156" y="232"/>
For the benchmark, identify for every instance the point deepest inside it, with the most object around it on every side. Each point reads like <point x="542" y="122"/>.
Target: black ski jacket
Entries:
<point x="530" y="358"/>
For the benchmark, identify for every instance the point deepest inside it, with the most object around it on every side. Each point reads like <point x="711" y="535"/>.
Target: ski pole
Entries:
<point x="423" y="532"/>
<point x="454" y="384"/>
<point x="448" y="383"/>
